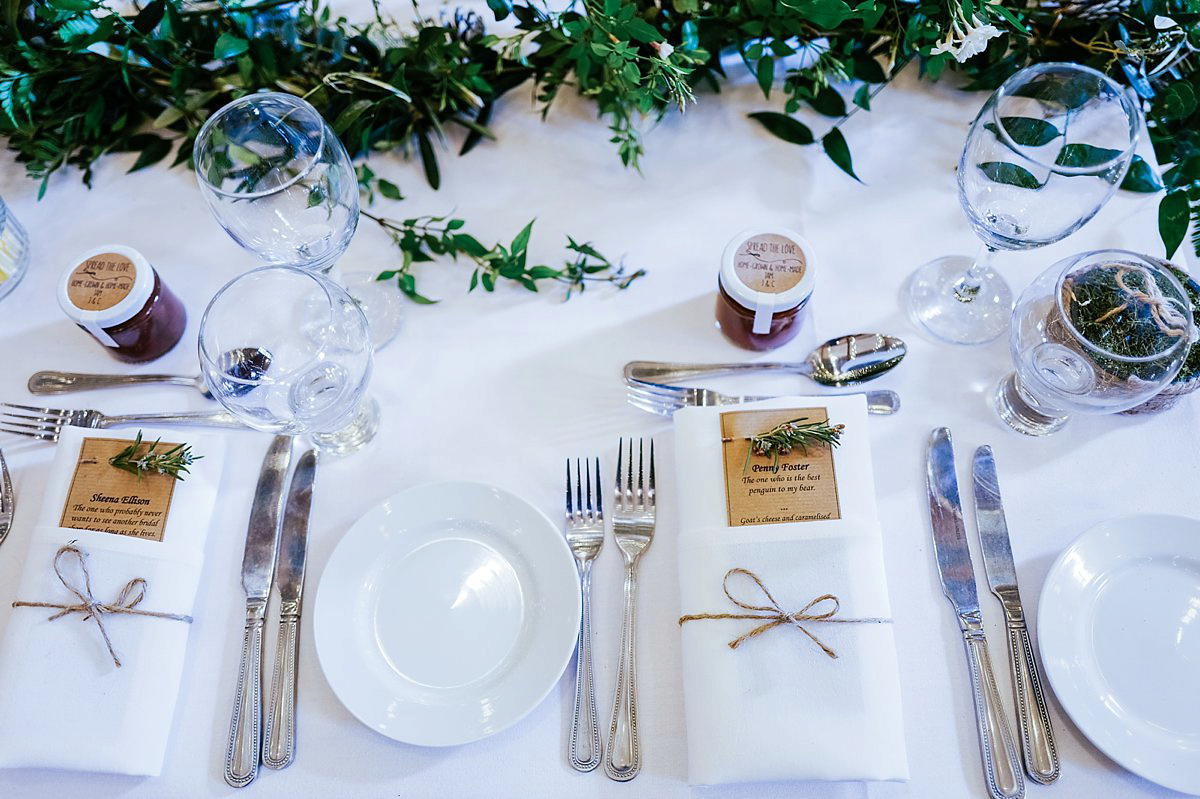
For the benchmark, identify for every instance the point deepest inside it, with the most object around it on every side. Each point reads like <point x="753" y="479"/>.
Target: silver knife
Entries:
<point x="279" y="745"/>
<point x="1037" y="735"/>
<point x="258" y="567"/>
<point x="1001" y="766"/>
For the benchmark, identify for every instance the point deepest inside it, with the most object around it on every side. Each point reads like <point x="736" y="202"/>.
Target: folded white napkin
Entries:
<point x="777" y="707"/>
<point x="63" y="702"/>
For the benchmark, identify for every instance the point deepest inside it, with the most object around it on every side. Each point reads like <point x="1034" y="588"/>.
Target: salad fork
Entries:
<point x="633" y="530"/>
<point x="585" y="536"/>
<point x="664" y="400"/>
<point x="46" y="424"/>
<point x="7" y="504"/>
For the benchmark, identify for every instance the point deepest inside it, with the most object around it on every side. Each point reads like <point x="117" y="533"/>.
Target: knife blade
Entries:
<point x="1037" y="733"/>
<point x="280" y="743"/>
<point x="1001" y="767"/>
<point x="244" y="748"/>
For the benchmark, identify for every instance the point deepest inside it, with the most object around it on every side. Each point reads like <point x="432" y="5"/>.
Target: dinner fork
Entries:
<point x="7" y="500"/>
<point x="664" y="400"/>
<point x="633" y="530"/>
<point x="585" y="536"/>
<point x="46" y="424"/>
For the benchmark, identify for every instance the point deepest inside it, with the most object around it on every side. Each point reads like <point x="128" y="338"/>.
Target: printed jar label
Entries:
<point x="108" y="500"/>
<point x="797" y="486"/>
<point x="101" y="282"/>
<point x="770" y="263"/>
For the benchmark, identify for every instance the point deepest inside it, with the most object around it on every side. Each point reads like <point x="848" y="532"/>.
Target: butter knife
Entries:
<point x="1033" y="715"/>
<point x="1001" y="766"/>
<point x="280" y="739"/>
<point x="258" y="568"/>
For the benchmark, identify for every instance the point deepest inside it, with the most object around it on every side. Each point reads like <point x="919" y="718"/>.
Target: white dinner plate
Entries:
<point x="447" y="613"/>
<point x="1119" y="632"/>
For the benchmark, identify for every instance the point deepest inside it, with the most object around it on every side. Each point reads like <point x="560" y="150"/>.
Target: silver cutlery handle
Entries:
<point x="1000" y="760"/>
<point x="1037" y="735"/>
<point x="664" y="372"/>
<point x="196" y="418"/>
<point x="883" y="402"/>
<point x="623" y="759"/>
<point x="279" y="743"/>
<point x="585" y="726"/>
<point x="66" y="382"/>
<point x="245" y="728"/>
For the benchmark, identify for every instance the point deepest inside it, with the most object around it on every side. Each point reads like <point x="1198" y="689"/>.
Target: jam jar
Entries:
<point x="765" y="282"/>
<point x="115" y="294"/>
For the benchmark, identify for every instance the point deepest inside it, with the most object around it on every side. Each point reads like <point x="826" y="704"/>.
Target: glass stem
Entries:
<point x="967" y="287"/>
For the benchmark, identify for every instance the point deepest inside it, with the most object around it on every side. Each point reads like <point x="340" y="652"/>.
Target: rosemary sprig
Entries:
<point x="793" y="434"/>
<point x="173" y="463"/>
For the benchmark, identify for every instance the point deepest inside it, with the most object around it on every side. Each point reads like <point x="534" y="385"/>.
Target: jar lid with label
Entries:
<point x="767" y="271"/>
<point x="108" y="286"/>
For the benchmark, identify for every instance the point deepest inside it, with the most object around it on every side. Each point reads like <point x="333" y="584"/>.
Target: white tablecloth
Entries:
<point x="501" y="388"/>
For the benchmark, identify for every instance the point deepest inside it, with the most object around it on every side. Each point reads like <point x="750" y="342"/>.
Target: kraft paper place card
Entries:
<point x="104" y="498"/>
<point x="795" y="486"/>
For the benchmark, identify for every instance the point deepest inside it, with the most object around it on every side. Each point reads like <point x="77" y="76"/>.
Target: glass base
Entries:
<point x="937" y="301"/>
<point x="355" y="435"/>
<point x="381" y="302"/>
<point x="1021" y="413"/>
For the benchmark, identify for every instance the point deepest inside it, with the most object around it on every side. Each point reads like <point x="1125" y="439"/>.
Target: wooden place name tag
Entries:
<point x="108" y="500"/>
<point x="799" y="487"/>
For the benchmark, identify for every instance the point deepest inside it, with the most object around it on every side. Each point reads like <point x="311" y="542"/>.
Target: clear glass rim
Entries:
<point x="1156" y="267"/>
<point x="206" y="132"/>
<point x="209" y="364"/>
<point x="1131" y="116"/>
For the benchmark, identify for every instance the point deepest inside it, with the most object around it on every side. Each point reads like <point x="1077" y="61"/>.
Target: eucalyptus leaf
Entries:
<point x="1009" y="174"/>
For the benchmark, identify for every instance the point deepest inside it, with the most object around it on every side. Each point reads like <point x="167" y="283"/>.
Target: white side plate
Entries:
<point x="447" y="613"/>
<point x="1119" y="633"/>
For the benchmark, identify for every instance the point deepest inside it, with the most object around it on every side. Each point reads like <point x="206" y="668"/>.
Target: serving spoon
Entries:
<point x="841" y="361"/>
<point x="244" y="363"/>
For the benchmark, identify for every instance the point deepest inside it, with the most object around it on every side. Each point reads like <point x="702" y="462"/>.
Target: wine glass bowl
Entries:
<point x="278" y="180"/>
<point x="1045" y="153"/>
<point x="1099" y="332"/>
<point x="313" y="357"/>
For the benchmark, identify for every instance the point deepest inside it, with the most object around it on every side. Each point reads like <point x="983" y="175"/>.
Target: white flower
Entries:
<point x="966" y="38"/>
<point x="664" y="50"/>
<point x="1163" y="23"/>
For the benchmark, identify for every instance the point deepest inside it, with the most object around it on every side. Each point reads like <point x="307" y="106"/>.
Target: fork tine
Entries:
<point x="570" y="512"/>
<point x="651" y="495"/>
<point x="653" y="407"/>
<point x="617" y="485"/>
<point x="588" y="467"/>
<point x="599" y="494"/>
<point x="655" y="390"/>
<point x="40" y="411"/>
<point x="40" y="435"/>
<point x="629" y="476"/>
<point x="44" y="426"/>
<point x="578" y="491"/>
<point x="641" y="492"/>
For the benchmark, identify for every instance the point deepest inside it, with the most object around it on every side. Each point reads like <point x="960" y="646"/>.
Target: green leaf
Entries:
<point x="230" y="45"/>
<point x="641" y="30"/>
<point x="389" y="190"/>
<point x="469" y="245"/>
<point x="1009" y="174"/>
<point x="691" y="35"/>
<point x="1084" y="155"/>
<point x="766" y="74"/>
<point x="71" y="5"/>
<point x="1070" y="93"/>
<point x="149" y="17"/>
<point x="521" y="242"/>
<point x="784" y="127"/>
<point x="500" y="8"/>
<point x="1141" y="177"/>
<point x="153" y="151"/>
<point x="862" y="97"/>
<point x="1026" y="131"/>
<point x="1173" y="220"/>
<point x="428" y="159"/>
<point x="829" y="102"/>
<point x="839" y="152"/>
<point x="350" y="115"/>
<point x="1179" y="100"/>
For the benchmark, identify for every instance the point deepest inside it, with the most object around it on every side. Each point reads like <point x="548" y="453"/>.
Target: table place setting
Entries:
<point x="342" y="560"/>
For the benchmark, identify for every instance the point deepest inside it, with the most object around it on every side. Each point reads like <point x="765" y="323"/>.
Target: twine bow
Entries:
<point x="126" y="602"/>
<point x="1168" y="318"/>
<point x="773" y="615"/>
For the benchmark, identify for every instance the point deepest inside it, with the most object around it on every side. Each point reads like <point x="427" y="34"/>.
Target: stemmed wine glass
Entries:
<point x="1099" y="332"/>
<point x="287" y="350"/>
<point x="280" y="182"/>
<point x="1046" y="152"/>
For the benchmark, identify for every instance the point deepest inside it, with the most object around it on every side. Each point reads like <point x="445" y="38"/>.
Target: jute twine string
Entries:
<point x="125" y="603"/>
<point x="1168" y="318"/>
<point x="772" y="614"/>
